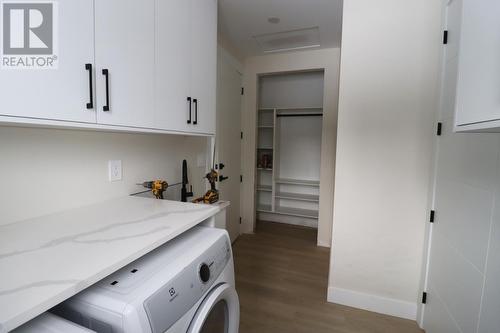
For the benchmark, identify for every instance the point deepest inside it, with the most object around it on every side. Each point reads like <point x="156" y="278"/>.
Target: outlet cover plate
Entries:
<point x="115" y="170"/>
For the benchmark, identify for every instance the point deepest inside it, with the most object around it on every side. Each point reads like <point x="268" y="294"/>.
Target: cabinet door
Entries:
<point x="124" y="34"/>
<point x="60" y="93"/>
<point x="204" y="63"/>
<point x="478" y="89"/>
<point x="173" y="64"/>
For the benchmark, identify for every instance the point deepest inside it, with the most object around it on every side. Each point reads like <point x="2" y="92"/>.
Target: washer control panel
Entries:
<point x="180" y="294"/>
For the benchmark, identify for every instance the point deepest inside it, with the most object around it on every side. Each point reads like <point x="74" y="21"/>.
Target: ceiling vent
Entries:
<point x="289" y="40"/>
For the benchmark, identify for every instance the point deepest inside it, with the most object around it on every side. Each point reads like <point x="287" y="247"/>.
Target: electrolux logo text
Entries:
<point x="29" y="35"/>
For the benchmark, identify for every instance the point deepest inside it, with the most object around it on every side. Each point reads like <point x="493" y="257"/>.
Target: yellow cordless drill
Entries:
<point x="157" y="187"/>
<point x="212" y="195"/>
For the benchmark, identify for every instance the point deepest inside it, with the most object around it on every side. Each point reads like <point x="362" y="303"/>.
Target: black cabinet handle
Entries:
<point x="90" y="105"/>
<point x="189" y="101"/>
<point x="105" y="72"/>
<point x="195" y="101"/>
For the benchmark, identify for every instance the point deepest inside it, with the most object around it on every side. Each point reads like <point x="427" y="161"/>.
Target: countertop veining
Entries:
<point x="46" y="260"/>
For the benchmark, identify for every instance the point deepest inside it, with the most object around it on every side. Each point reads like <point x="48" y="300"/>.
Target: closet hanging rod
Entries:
<point x="300" y="115"/>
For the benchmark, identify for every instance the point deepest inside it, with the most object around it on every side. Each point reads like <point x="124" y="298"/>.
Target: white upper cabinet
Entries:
<point x="121" y="64"/>
<point x="124" y="52"/>
<point x="204" y="64"/>
<point x="478" y="80"/>
<point x="173" y="64"/>
<point x="60" y="93"/>
<point x="186" y="65"/>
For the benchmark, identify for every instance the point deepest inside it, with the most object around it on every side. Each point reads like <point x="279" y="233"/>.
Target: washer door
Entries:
<point x="218" y="313"/>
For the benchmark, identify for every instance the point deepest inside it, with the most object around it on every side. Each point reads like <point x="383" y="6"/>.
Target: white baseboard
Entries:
<point x="374" y="303"/>
<point x="323" y="243"/>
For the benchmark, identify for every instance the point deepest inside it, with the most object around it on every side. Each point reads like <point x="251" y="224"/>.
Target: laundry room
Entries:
<point x="206" y="166"/>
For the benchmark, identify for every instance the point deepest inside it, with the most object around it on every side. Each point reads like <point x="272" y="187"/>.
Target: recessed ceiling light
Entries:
<point x="274" y="20"/>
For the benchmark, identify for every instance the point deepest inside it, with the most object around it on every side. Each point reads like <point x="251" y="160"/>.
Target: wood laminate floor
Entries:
<point x="282" y="278"/>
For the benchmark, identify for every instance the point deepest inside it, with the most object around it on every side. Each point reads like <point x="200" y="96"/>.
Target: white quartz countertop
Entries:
<point x="46" y="260"/>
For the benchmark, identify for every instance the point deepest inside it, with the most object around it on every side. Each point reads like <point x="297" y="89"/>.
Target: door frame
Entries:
<point x="327" y="60"/>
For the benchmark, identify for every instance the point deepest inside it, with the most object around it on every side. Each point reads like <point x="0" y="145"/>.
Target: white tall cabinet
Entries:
<point x="62" y="93"/>
<point x="123" y="65"/>
<point x="463" y="262"/>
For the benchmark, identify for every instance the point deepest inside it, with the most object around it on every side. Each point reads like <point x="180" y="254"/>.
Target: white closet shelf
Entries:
<point x="264" y="169"/>
<point x="266" y="126"/>
<point x="265" y="148"/>
<point x="299" y="108"/>
<point x="299" y="212"/>
<point x="292" y="108"/>
<point x="298" y="196"/>
<point x="301" y="182"/>
<point x="264" y="188"/>
<point x="307" y="213"/>
<point x="264" y="209"/>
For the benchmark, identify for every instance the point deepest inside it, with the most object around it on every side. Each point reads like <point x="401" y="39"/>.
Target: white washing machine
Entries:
<point x="186" y="285"/>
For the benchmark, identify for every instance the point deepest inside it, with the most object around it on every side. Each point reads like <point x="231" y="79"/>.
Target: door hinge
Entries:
<point x="424" y="297"/>
<point x="242" y="91"/>
<point x="241" y="178"/>
<point x="431" y="218"/>
<point x="240" y="219"/>
<point x="439" y="129"/>
<point x="445" y="37"/>
<point x="241" y="135"/>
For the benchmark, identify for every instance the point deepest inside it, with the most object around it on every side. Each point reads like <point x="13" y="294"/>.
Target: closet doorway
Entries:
<point x="289" y="134"/>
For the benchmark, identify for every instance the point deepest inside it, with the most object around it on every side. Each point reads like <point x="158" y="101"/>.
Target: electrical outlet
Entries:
<point x="115" y="170"/>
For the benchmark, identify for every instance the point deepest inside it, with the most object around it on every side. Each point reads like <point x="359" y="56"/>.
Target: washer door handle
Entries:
<point x="222" y="292"/>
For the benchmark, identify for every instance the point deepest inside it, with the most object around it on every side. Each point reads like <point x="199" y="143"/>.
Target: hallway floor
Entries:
<point x="282" y="278"/>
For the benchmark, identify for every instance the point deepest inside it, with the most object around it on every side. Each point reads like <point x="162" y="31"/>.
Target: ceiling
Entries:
<point x="240" y="21"/>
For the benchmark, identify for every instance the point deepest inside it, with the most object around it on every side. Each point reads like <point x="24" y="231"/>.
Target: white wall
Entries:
<point x="387" y="107"/>
<point x="327" y="59"/>
<point x="47" y="170"/>
<point x="304" y="89"/>
<point x="299" y="141"/>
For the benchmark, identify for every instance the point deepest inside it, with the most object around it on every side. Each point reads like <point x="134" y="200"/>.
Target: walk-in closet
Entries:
<point x="289" y="129"/>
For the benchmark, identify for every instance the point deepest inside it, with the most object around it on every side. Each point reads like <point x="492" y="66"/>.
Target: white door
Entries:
<point x="125" y="44"/>
<point x="218" y="313"/>
<point x="62" y="93"/>
<point x="228" y="141"/>
<point x="203" y="20"/>
<point x="173" y="64"/>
